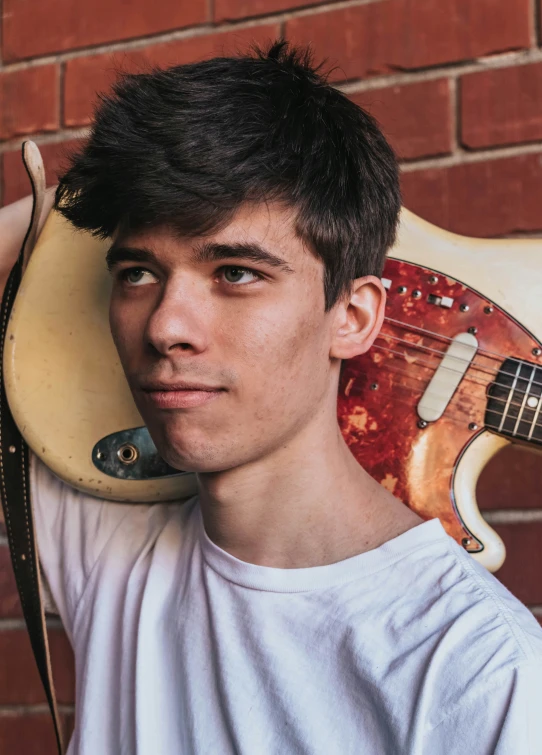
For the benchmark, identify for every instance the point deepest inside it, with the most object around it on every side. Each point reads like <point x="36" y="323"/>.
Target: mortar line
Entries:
<point x="56" y="137"/>
<point x="192" y="32"/>
<point x="512" y="516"/>
<point x="459" y="68"/>
<point x="462" y="157"/>
<point x="33" y="709"/>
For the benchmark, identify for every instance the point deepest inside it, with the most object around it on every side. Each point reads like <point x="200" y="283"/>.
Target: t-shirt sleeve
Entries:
<point x="501" y="719"/>
<point x="72" y="529"/>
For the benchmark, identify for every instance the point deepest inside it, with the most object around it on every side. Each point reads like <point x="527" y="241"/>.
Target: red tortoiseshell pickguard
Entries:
<point x="379" y="391"/>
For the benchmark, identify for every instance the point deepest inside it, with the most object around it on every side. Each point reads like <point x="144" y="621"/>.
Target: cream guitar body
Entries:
<point x="64" y="382"/>
<point x="423" y="411"/>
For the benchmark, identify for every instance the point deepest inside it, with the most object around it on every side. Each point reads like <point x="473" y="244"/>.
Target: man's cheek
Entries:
<point x="128" y="341"/>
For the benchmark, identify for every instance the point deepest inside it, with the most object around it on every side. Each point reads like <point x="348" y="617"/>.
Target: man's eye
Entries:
<point x="137" y="276"/>
<point x="234" y="274"/>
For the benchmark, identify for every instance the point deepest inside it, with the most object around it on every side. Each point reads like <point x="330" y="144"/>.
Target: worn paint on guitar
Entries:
<point x="379" y="391"/>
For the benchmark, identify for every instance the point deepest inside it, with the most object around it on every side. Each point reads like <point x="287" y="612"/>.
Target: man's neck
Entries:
<point x="308" y="503"/>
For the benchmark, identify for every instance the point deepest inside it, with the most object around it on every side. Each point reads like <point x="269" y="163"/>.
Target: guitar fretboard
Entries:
<point x="514" y="406"/>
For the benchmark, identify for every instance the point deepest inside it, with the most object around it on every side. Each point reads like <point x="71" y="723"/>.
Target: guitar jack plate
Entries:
<point x="131" y="455"/>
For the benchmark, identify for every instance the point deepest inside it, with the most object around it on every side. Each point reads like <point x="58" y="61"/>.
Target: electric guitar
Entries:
<point x="455" y="374"/>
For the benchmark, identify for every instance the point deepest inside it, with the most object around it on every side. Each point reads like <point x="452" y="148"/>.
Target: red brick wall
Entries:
<point x="457" y="87"/>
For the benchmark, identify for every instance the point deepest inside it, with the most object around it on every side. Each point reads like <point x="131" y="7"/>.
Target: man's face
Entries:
<point x="201" y="311"/>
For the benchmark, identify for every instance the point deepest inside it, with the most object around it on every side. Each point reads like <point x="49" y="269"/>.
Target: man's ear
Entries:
<point x="358" y="318"/>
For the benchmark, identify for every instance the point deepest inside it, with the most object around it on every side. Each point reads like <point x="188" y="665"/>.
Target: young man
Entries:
<point x="293" y="605"/>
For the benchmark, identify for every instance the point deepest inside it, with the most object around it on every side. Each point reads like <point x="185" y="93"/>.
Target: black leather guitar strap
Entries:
<point x="14" y="466"/>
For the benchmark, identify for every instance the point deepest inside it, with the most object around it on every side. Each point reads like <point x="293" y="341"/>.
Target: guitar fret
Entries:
<point x="514" y="405"/>
<point x="509" y="399"/>
<point x="524" y="401"/>
<point x="535" y="419"/>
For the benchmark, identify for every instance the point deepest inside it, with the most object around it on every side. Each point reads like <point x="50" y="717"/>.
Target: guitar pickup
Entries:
<point x="440" y="301"/>
<point x="454" y="364"/>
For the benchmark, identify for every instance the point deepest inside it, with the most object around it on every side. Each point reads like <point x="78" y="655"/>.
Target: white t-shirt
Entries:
<point x="181" y="649"/>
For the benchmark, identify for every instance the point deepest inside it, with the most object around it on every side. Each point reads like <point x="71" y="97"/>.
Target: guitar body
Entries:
<point x="492" y="289"/>
<point x="63" y="378"/>
<point x="454" y="302"/>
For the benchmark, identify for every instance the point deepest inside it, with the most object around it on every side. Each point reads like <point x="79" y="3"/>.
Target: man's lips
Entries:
<point x="179" y="395"/>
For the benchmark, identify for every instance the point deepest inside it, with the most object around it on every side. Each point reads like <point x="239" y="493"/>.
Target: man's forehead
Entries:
<point x="261" y="233"/>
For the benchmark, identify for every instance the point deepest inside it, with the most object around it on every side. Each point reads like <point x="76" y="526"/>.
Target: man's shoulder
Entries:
<point x="500" y="620"/>
<point x="438" y="604"/>
<point x="445" y="588"/>
<point x="76" y="532"/>
<point x="486" y="638"/>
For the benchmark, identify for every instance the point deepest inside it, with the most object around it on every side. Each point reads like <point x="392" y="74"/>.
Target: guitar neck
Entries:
<point x="515" y="402"/>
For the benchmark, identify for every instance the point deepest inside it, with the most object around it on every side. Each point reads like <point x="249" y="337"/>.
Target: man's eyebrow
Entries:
<point x="206" y="252"/>
<point x="213" y="252"/>
<point x="117" y="254"/>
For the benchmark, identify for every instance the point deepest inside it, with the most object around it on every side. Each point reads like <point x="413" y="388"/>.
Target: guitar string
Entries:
<point x="424" y="331"/>
<point x="479" y="351"/>
<point x="516" y="391"/>
<point x="421" y="347"/>
<point x="477" y="382"/>
<point x="432" y="366"/>
<point x="490" y="354"/>
<point x="454" y="405"/>
<point x="478" y="399"/>
<point x="451" y="416"/>
<point x="472" y="380"/>
<point x="473" y="363"/>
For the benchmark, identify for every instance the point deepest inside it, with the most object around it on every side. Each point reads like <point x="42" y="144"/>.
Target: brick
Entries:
<point x="28" y="734"/>
<point x="19" y="679"/>
<point x="502" y="106"/>
<point x="9" y="598"/>
<point x="380" y="37"/>
<point x="226" y="10"/>
<point x="522" y="567"/>
<point x="40" y="27"/>
<point x="87" y="75"/>
<point x="416" y="118"/>
<point x="510" y="480"/>
<point x="16" y="183"/>
<point x="29" y="101"/>
<point x="486" y="198"/>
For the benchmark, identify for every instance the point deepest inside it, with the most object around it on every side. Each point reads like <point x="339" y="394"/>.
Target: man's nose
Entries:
<point x="180" y="321"/>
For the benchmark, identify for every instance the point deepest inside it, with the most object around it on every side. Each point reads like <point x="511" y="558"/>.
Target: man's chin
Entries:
<point x="188" y="454"/>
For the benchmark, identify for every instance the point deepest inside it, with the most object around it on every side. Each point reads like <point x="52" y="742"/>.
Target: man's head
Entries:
<point x="251" y="206"/>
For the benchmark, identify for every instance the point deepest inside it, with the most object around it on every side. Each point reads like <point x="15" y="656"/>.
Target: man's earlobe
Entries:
<point x="359" y="318"/>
